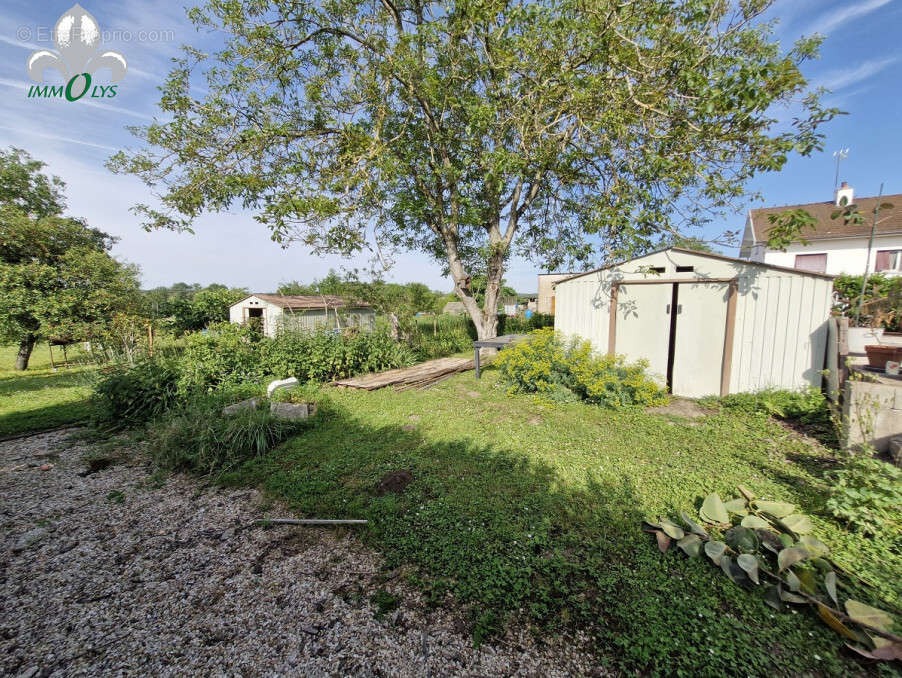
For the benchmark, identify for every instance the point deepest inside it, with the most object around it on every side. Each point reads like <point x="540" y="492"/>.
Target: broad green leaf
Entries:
<point x="788" y="597"/>
<point x="865" y="614"/>
<point x="753" y="521"/>
<point x="713" y="510"/>
<point x="749" y="563"/>
<point x="778" y="509"/>
<point x="790" y="556"/>
<point x="814" y="546"/>
<point x="671" y="529"/>
<point x="792" y="581"/>
<point x="770" y="540"/>
<point x="715" y="550"/>
<point x="772" y="597"/>
<point x="746" y="493"/>
<point x="798" y="523"/>
<point x="834" y="623"/>
<point x="830" y="585"/>
<point x="694" y="528"/>
<point x="691" y="545"/>
<point x="741" y="539"/>
<point x="726" y="565"/>
<point x="786" y="540"/>
<point x="738" y="506"/>
<point x="808" y="579"/>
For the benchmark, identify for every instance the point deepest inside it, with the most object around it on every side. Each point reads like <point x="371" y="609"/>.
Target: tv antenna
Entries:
<point x="840" y="155"/>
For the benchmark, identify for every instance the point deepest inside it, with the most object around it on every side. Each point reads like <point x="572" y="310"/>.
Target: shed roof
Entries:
<point x="889" y="221"/>
<point x="709" y="255"/>
<point x="297" y="302"/>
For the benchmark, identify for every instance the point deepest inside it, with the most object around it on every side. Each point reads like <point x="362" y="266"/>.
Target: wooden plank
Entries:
<point x="416" y="374"/>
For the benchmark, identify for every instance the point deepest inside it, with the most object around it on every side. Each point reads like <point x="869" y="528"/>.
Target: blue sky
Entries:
<point x="861" y="61"/>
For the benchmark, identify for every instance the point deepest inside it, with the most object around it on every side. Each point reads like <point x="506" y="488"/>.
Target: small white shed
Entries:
<point x="279" y="311"/>
<point x="707" y="324"/>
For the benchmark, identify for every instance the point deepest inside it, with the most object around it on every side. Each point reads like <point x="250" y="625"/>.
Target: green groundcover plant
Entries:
<point x="764" y="543"/>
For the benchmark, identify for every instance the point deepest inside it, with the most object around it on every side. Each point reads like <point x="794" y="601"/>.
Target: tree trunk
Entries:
<point x="26" y="346"/>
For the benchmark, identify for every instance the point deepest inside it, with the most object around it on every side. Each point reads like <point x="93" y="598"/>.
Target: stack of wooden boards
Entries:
<point x="419" y="376"/>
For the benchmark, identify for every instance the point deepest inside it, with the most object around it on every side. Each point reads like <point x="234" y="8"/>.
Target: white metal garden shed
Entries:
<point x="707" y="324"/>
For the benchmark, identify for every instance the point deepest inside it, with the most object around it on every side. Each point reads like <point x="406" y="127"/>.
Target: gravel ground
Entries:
<point x="108" y="573"/>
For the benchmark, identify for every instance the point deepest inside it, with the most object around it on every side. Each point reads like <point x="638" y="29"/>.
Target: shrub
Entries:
<point x="546" y="365"/>
<point x="447" y="339"/>
<point x="866" y="494"/>
<point x="129" y="396"/>
<point x="199" y="438"/>
<point x="226" y="355"/>
<point x="325" y="355"/>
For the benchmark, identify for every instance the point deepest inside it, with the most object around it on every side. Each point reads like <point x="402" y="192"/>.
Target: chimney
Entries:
<point x="843" y="195"/>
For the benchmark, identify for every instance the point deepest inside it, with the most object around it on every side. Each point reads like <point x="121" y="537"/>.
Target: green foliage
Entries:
<point x="866" y="493"/>
<point x="190" y="308"/>
<point x="130" y="396"/>
<point x="772" y="539"/>
<point x="809" y="407"/>
<point x="325" y="355"/>
<point x="57" y="278"/>
<point x="199" y="438"/>
<point x="227" y="355"/>
<point x="787" y="227"/>
<point x="25" y="187"/>
<point x="881" y="303"/>
<point x="545" y="365"/>
<point x="480" y="129"/>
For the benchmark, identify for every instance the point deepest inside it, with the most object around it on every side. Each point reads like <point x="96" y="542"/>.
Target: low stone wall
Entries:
<point x="872" y="413"/>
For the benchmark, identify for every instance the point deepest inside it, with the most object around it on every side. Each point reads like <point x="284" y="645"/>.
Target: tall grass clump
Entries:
<point x="129" y="396"/>
<point x="200" y="439"/>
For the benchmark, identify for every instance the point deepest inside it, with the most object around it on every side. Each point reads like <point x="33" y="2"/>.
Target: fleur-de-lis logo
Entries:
<point x="77" y="37"/>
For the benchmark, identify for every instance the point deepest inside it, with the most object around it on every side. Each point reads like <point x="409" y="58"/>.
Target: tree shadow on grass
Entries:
<point x="509" y="539"/>
<point x="24" y="382"/>
<point x="43" y="418"/>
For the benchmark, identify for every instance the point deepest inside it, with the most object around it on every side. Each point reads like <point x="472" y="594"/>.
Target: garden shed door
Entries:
<point x="698" y="342"/>
<point x="642" y="326"/>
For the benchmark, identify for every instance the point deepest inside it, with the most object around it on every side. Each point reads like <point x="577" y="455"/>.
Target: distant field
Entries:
<point x="41" y="397"/>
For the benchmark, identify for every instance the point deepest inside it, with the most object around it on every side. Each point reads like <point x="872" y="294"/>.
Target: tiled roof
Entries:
<point x="300" y="302"/>
<point x="888" y="221"/>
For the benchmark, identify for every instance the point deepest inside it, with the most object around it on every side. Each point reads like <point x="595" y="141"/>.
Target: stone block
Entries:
<point x="292" y="411"/>
<point x="249" y="404"/>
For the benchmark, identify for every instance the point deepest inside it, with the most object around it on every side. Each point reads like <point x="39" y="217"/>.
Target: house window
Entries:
<point x="889" y="260"/>
<point x="816" y="263"/>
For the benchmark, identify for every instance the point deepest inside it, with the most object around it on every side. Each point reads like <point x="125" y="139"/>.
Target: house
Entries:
<point x="545" y="302"/>
<point x="277" y="311"/>
<point x="705" y="323"/>
<point x="833" y="246"/>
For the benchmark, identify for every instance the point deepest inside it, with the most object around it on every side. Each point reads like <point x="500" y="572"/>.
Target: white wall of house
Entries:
<point x="779" y="332"/>
<point x="545" y="303"/>
<point x="844" y="255"/>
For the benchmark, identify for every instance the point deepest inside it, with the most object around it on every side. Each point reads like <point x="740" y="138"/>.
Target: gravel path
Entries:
<point x="108" y="573"/>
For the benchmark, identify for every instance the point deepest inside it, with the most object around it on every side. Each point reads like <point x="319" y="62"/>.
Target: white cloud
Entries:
<point x="831" y="20"/>
<point x="843" y="77"/>
<point x="55" y="137"/>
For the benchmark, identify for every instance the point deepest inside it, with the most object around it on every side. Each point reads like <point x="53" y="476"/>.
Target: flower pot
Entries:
<point x="879" y="354"/>
<point x="859" y="337"/>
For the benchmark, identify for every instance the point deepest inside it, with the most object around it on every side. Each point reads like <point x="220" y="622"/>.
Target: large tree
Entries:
<point x="469" y="130"/>
<point x="57" y="279"/>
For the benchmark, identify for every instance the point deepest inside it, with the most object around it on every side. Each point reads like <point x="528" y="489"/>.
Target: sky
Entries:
<point x="861" y="63"/>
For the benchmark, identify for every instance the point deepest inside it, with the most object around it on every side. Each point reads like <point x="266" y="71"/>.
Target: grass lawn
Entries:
<point x="527" y="510"/>
<point x="41" y="398"/>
